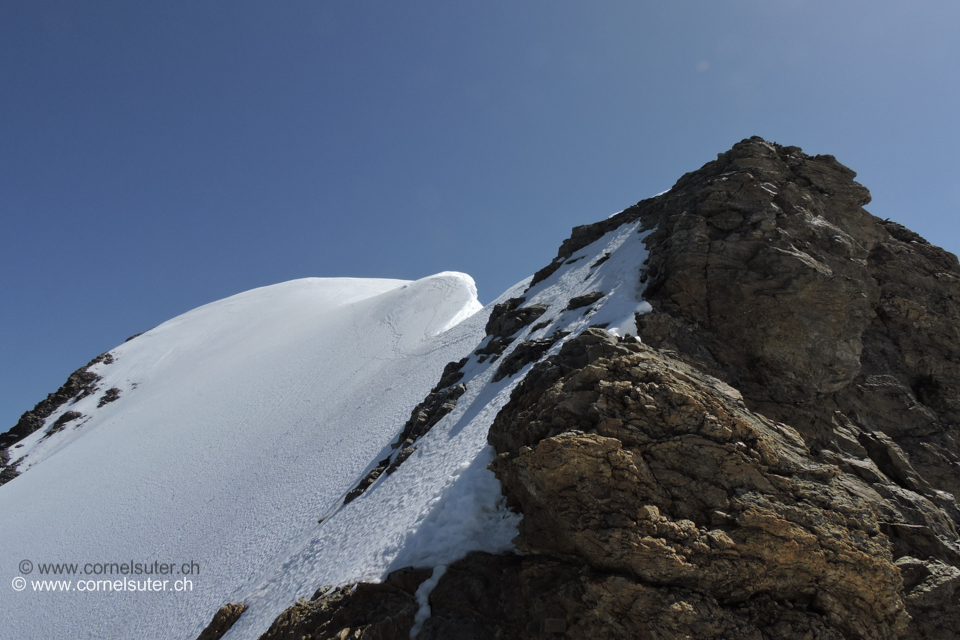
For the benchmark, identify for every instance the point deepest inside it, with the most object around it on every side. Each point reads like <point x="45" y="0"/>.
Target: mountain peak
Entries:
<point x="729" y="410"/>
<point x="776" y="457"/>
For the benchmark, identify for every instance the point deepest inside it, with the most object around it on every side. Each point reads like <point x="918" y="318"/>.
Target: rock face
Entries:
<point x="766" y="272"/>
<point x="639" y="465"/>
<point x="778" y="458"/>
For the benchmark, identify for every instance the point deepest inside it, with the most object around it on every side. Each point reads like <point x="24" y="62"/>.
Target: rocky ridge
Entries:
<point x="80" y="384"/>
<point x="777" y="457"/>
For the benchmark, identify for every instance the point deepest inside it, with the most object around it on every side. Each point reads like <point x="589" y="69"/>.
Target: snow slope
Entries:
<point x="251" y="419"/>
<point x="238" y="425"/>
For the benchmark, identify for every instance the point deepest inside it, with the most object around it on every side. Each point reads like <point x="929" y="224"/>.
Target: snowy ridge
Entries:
<point x="443" y="502"/>
<point x="243" y="423"/>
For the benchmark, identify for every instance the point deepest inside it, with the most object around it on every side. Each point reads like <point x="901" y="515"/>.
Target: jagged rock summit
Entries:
<point x="777" y="456"/>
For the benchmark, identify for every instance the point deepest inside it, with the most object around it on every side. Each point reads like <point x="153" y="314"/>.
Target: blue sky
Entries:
<point x="158" y="156"/>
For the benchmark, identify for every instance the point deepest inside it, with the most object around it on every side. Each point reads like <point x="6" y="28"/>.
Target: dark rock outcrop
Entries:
<point x="223" y="619"/>
<point x="600" y="260"/>
<point x="80" y="384"/>
<point x="509" y="317"/>
<point x="110" y="395"/>
<point x="367" y="481"/>
<point x="493" y="349"/>
<point x="438" y="403"/>
<point x="361" y="611"/>
<point x="524" y="353"/>
<point x="452" y="374"/>
<point x="61" y="422"/>
<point x="506" y="319"/>
<point x="429" y="412"/>
<point x="8" y="471"/>
<point x="586" y="300"/>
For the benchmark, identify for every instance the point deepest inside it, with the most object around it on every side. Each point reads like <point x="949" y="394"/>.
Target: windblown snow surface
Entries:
<point x="241" y="426"/>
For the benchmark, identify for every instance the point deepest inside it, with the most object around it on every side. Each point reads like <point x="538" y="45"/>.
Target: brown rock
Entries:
<point x="668" y="478"/>
<point x="223" y="619"/>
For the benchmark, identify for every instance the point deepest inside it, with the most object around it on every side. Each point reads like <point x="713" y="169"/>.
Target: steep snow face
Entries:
<point x="242" y="425"/>
<point x="238" y="425"/>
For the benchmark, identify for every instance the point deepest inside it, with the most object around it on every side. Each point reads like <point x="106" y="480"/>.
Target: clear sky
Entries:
<point x="156" y="156"/>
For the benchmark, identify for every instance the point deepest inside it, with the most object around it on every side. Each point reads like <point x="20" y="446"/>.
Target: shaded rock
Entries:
<point x="366" y="481"/>
<point x="223" y="619"/>
<point x="60" y="422"/>
<point x="525" y="353"/>
<point x="901" y="233"/>
<point x="388" y="465"/>
<point x="495" y="347"/>
<point x="600" y="260"/>
<point x="584" y="300"/>
<point x="511" y="597"/>
<point x="509" y="317"/>
<point x="110" y="395"/>
<point x="8" y="471"/>
<point x="497" y="316"/>
<point x="928" y="584"/>
<point x="451" y="375"/>
<point x="547" y="271"/>
<point x="361" y="611"/>
<point x="400" y="457"/>
<point x="429" y="412"/>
